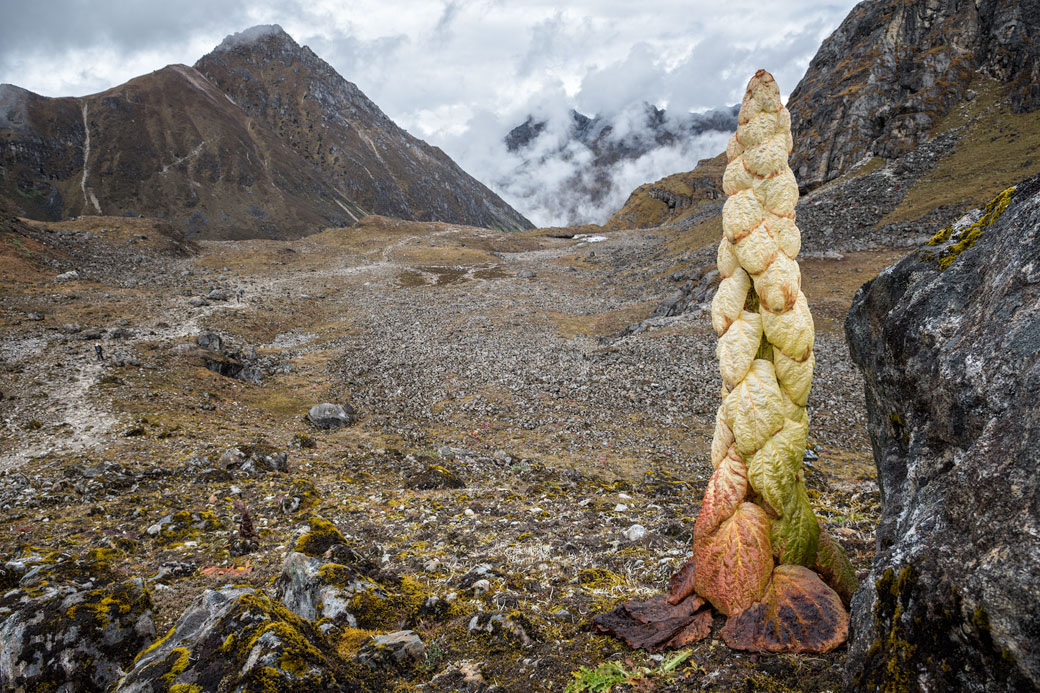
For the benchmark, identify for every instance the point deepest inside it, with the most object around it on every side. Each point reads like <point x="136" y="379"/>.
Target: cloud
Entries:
<point x="458" y="73"/>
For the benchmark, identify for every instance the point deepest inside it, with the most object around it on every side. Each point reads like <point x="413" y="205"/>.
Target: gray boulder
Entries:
<point x="951" y="362"/>
<point x="316" y="589"/>
<point x="237" y="638"/>
<point x="402" y="649"/>
<point x="64" y="627"/>
<point x="330" y="416"/>
<point x="210" y="341"/>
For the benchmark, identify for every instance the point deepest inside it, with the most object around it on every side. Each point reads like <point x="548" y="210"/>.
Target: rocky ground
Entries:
<point x="517" y="463"/>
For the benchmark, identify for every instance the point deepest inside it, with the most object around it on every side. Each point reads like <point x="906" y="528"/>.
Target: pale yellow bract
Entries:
<point x="760" y="243"/>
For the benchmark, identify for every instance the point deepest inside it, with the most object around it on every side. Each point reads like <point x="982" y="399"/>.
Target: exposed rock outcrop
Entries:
<point x="62" y="621"/>
<point x="236" y="638"/>
<point x="882" y="80"/>
<point x="949" y="343"/>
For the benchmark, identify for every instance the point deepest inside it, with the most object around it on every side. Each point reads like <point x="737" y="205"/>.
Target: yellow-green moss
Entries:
<point x="153" y="646"/>
<point x="180" y="657"/>
<point x="961" y="240"/>
<point x="351" y="640"/>
<point x="382" y="609"/>
<point x="184" y="524"/>
<point x="599" y="579"/>
<point x="336" y="574"/>
<point x="185" y="688"/>
<point x="322" y="535"/>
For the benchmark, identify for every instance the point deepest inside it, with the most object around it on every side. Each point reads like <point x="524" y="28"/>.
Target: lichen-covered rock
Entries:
<point x="183" y="524"/>
<point x="401" y="649"/>
<point x="66" y="626"/>
<point x="237" y="638"/>
<point x="329" y="578"/>
<point x="951" y="359"/>
<point x="315" y="589"/>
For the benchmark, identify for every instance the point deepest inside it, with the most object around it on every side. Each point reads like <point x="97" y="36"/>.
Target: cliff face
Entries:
<point x="276" y="145"/>
<point x="882" y="80"/>
<point x="331" y="124"/>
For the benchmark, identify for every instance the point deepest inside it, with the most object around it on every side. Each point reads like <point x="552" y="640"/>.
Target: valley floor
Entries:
<point x="491" y="355"/>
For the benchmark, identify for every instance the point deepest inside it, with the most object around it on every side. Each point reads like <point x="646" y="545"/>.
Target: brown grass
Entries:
<point x="998" y="149"/>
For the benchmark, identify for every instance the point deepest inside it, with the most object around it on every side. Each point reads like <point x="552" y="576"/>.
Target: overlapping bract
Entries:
<point x="756" y="512"/>
<point x="758" y="551"/>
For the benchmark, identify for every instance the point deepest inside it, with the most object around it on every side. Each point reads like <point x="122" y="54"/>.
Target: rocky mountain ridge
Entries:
<point x="892" y="78"/>
<point x="271" y="142"/>
<point x="880" y="83"/>
<point x="598" y="148"/>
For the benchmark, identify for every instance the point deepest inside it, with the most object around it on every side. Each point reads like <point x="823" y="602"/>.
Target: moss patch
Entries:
<point x="956" y="242"/>
<point x="322" y="536"/>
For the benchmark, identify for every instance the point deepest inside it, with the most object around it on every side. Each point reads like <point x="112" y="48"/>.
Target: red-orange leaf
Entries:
<point x="798" y="613"/>
<point x="727" y="488"/>
<point x="656" y="625"/>
<point x="658" y="608"/>
<point x="680" y="585"/>
<point x="734" y="563"/>
<point x="697" y="629"/>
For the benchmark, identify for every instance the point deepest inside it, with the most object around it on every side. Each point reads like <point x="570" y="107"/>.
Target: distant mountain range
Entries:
<point x="897" y="75"/>
<point x="599" y="155"/>
<point x="261" y="138"/>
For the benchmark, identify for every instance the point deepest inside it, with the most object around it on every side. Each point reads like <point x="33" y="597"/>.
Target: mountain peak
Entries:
<point x="254" y="35"/>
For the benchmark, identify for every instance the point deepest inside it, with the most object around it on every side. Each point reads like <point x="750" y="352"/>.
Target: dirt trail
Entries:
<point x="77" y="420"/>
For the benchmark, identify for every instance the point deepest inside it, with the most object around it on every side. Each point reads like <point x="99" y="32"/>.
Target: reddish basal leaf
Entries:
<point x="833" y="566"/>
<point x="734" y="563"/>
<point x="658" y="608"/>
<point x="727" y="488"/>
<point x="656" y="625"/>
<point x="697" y="629"/>
<point x="798" y="613"/>
<point x="680" y="585"/>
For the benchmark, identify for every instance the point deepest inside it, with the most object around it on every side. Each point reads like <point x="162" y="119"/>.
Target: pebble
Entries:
<point x="635" y="533"/>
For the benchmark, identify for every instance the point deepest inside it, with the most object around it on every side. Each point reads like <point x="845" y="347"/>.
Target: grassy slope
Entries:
<point x="997" y="148"/>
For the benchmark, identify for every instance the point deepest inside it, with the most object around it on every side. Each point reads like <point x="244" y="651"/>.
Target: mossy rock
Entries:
<point x="183" y="525"/>
<point x="433" y="477"/>
<point x="390" y="606"/>
<point x="34" y="568"/>
<point x="956" y="241"/>
<point x="322" y="536"/>
<point x="302" y="495"/>
<point x="239" y="639"/>
<point x="60" y="632"/>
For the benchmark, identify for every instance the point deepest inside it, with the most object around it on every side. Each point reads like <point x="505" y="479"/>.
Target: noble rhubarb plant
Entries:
<point x="758" y="551"/>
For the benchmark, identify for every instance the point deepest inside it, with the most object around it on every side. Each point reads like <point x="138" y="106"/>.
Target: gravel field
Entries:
<point x="508" y="433"/>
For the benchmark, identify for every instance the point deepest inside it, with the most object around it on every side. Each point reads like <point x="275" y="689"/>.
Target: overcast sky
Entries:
<point x="460" y="73"/>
